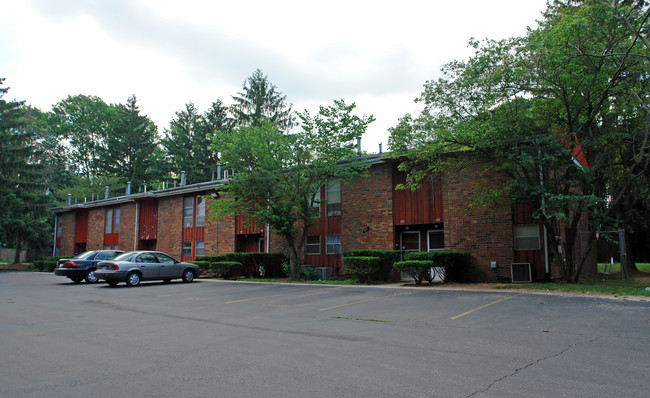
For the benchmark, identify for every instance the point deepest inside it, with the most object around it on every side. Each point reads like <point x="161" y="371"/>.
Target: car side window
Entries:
<point x="105" y="256"/>
<point x="163" y="258"/>
<point x="147" y="258"/>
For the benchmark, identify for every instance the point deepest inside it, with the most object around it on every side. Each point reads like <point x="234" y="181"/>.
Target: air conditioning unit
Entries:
<point x="323" y="272"/>
<point x="520" y="272"/>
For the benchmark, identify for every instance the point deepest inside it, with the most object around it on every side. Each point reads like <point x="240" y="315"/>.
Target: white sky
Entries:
<point x="377" y="54"/>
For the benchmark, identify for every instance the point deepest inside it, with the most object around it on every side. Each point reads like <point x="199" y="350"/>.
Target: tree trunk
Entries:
<point x="19" y="246"/>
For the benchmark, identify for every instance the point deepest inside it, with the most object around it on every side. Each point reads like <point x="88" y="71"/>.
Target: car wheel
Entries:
<point x="133" y="279"/>
<point x="188" y="275"/>
<point x="112" y="283"/>
<point x="90" y="277"/>
<point x="77" y="279"/>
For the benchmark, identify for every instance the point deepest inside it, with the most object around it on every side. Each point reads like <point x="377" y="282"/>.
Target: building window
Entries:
<point x="410" y="241"/>
<point x="435" y="240"/>
<point x="108" y="225"/>
<point x="312" y="246"/>
<point x="187" y="249"/>
<point x="200" y="211"/>
<point x="333" y="244"/>
<point x="314" y="201"/>
<point x="199" y="248"/>
<point x="188" y="212"/>
<point x="527" y="237"/>
<point x="333" y="195"/>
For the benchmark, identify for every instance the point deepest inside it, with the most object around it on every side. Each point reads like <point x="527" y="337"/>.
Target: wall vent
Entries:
<point x="520" y="272"/>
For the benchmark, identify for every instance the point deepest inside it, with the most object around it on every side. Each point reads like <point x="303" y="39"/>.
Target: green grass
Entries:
<point x="617" y="287"/>
<point x="616" y="267"/>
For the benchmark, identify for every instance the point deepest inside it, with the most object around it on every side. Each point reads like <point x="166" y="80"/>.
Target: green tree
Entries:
<point x="131" y="143"/>
<point x="187" y="145"/>
<point x="24" y="221"/>
<point x="260" y="102"/>
<point x="560" y="111"/>
<point x="277" y="175"/>
<point x="82" y="124"/>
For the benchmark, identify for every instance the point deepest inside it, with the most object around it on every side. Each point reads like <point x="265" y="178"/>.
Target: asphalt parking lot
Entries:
<point x="235" y="339"/>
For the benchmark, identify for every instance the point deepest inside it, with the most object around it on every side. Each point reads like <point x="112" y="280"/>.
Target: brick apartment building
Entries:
<point x="369" y="214"/>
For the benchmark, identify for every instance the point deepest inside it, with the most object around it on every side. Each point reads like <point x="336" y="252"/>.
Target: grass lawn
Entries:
<point x="616" y="267"/>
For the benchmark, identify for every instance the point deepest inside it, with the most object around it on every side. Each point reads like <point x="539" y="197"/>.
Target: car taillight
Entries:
<point x="69" y="264"/>
<point x="115" y="267"/>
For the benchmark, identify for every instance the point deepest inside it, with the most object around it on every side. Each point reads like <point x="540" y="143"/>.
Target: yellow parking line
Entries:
<point x="362" y="301"/>
<point x="479" y="308"/>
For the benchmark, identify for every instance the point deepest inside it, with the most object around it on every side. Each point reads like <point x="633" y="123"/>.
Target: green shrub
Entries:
<point x="268" y="265"/>
<point x="363" y="268"/>
<point x="307" y="274"/>
<point x="386" y="260"/>
<point x="205" y="265"/>
<point x="457" y="265"/>
<point x="47" y="264"/>
<point x="416" y="269"/>
<point x="226" y="269"/>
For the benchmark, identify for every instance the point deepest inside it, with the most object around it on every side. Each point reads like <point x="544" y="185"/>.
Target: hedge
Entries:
<point x="226" y="269"/>
<point x="252" y="264"/>
<point x="47" y="264"/>
<point x="416" y="269"/>
<point x="386" y="260"/>
<point x="457" y="265"/>
<point x="363" y="268"/>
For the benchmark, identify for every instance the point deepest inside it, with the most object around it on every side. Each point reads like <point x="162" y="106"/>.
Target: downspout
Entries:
<point x="137" y="221"/>
<point x="56" y="226"/>
<point x="268" y="238"/>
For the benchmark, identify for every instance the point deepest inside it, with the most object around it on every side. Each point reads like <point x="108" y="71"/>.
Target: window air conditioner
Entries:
<point x="520" y="272"/>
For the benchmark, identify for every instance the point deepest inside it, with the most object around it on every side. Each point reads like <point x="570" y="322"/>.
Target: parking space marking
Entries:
<point x="480" y="308"/>
<point x="277" y="295"/>
<point x="362" y="301"/>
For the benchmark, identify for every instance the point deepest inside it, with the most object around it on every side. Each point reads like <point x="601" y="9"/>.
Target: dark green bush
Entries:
<point x="205" y="265"/>
<point x="457" y="265"/>
<point x="416" y="269"/>
<point x="363" y="268"/>
<point x="47" y="264"/>
<point x="386" y="260"/>
<point x="226" y="269"/>
<point x="268" y="265"/>
<point x="307" y="274"/>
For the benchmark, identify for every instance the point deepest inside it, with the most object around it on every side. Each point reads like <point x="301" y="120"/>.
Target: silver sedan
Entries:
<point x="136" y="266"/>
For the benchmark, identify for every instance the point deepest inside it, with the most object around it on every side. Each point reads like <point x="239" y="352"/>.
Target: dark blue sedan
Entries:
<point x="83" y="266"/>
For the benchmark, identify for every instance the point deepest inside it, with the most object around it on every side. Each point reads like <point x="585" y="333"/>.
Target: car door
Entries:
<point x="168" y="267"/>
<point x="148" y="265"/>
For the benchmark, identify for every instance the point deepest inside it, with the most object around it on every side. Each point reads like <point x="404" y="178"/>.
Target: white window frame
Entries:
<point x="336" y="246"/>
<point x="429" y="232"/>
<point x="333" y="211"/>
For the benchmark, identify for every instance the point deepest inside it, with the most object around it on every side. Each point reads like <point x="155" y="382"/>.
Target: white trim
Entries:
<point x="429" y="231"/>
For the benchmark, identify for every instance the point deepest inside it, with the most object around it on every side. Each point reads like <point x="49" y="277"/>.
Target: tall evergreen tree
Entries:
<point x="131" y="143"/>
<point x="260" y="102"/>
<point x="187" y="145"/>
<point x="23" y="203"/>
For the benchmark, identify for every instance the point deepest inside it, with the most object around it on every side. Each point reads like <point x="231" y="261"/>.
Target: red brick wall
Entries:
<point x="225" y="235"/>
<point x="484" y="231"/>
<point x="127" y="227"/>
<point x="170" y="225"/>
<point x="67" y="221"/>
<point x="368" y="204"/>
<point x="96" y="222"/>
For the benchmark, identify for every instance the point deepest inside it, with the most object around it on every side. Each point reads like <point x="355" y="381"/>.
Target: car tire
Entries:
<point x="188" y="275"/>
<point x="77" y="279"/>
<point x="133" y="279"/>
<point x="90" y="277"/>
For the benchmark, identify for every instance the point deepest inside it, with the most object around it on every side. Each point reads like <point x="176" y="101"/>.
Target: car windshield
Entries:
<point x="85" y="255"/>
<point x="128" y="256"/>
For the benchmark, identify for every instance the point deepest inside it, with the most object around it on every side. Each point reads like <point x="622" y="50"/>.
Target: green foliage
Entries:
<point x="362" y="268"/>
<point x="306" y="274"/>
<point x="251" y="263"/>
<point x="24" y="217"/>
<point x="278" y="174"/>
<point x="533" y="107"/>
<point x="457" y="265"/>
<point x="386" y="260"/>
<point x="226" y="269"/>
<point x="416" y="269"/>
<point x="46" y="264"/>
<point x="260" y="102"/>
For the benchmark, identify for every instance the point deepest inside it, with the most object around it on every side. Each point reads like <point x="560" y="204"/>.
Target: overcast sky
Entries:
<point x="377" y="54"/>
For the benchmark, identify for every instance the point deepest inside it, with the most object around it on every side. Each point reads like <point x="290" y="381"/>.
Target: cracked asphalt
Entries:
<point x="235" y="339"/>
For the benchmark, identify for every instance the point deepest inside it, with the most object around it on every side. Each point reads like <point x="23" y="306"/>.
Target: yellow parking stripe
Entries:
<point x="362" y="301"/>
<point x="479" y="308"/>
